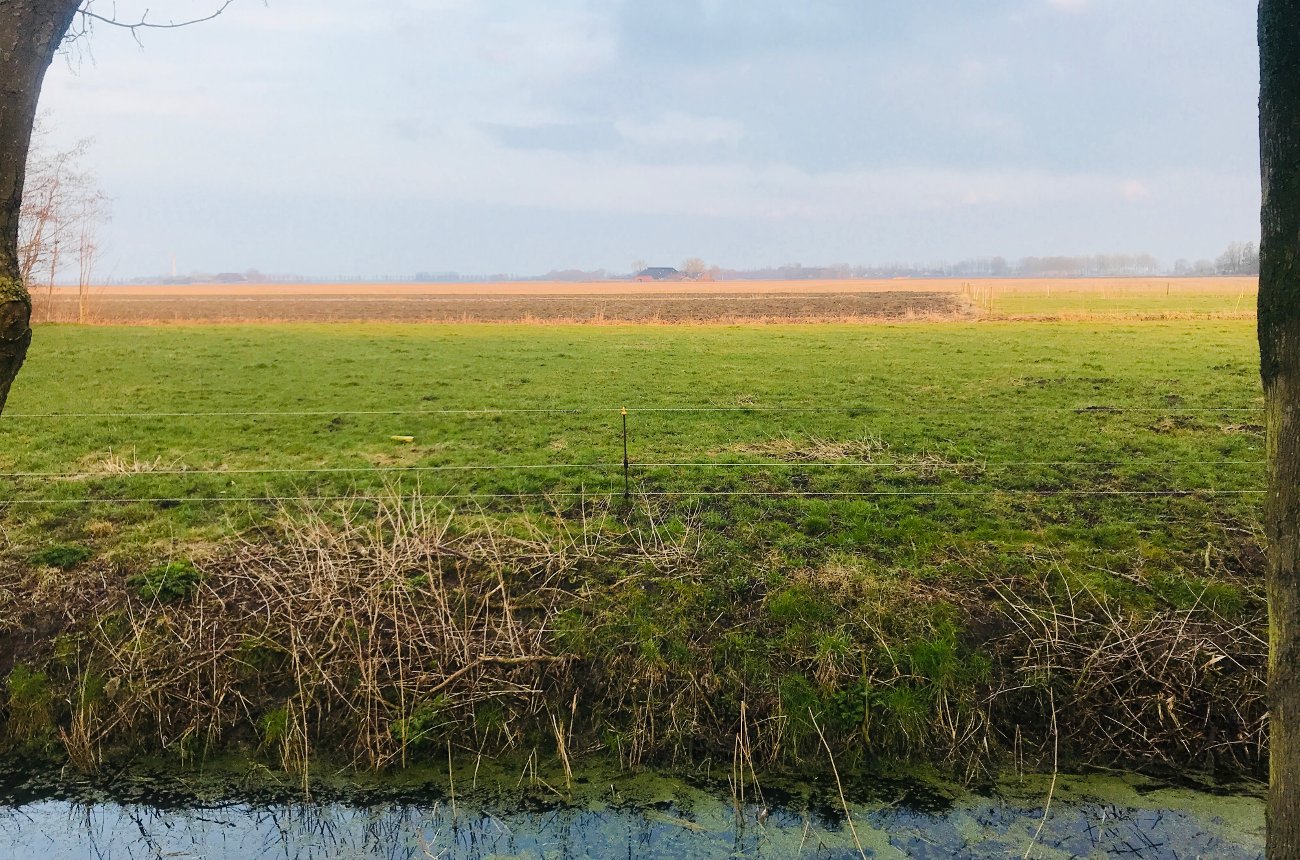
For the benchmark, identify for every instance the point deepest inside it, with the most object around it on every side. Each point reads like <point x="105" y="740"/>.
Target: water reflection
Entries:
<point x="694" y="823"/>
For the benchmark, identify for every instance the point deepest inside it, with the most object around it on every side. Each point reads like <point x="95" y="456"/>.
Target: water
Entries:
<point x="609" y="815"/>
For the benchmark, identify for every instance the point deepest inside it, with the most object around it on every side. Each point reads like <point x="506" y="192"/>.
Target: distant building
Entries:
<point x="661" y="273"/>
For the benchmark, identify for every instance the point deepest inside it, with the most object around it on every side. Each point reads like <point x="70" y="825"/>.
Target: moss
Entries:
<point x="422" y="724"/>
<point x="67" y="649"/>
<point x="258" y="654"/>
<point x="31" y="705"/>
<point x="13" y="290"/>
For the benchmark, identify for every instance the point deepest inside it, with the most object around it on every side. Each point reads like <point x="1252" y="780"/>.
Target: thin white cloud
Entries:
<point x="674" y="129"/>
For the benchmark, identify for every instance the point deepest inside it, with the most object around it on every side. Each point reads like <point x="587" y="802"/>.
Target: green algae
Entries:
<point x="519" y="808"/>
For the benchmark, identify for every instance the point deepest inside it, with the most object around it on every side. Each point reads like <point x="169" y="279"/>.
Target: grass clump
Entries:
<point x="166" y="583"/>
<point x="1193" y="592"/>
<point x="422" y="724"/>
<point x="274" y="727"/>
<point x="64" y="556"/>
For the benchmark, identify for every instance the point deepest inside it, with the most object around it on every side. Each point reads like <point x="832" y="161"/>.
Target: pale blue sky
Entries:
<point x="389" y="136"/>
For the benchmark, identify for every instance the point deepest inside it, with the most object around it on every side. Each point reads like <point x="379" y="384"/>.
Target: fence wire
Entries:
<point x="610" y="494"/>
<point x="846" y="409"/>
<point x="86" y="475"/>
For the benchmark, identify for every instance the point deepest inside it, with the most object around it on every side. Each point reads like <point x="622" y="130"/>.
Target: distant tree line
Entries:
<point x="1240" y="258"/>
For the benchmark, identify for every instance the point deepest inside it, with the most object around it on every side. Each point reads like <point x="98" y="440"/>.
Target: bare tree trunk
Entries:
<point x="1279" y="343"/>
<point x="87" y="251"/>
<point x="30" y="32"/>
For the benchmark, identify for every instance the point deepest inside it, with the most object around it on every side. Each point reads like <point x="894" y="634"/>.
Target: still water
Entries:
<point x="49" y="816"/>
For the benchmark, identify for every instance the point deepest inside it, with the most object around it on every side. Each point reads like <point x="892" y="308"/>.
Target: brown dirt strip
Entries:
<point x="112" y="306"/>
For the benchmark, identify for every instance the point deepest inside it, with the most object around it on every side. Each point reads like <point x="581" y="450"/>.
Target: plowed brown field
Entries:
<point x="609" y="301"/>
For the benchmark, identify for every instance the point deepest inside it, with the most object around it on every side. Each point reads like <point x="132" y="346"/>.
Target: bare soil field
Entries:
<point x="112" y="306"/>
<point x="620" y="301"/>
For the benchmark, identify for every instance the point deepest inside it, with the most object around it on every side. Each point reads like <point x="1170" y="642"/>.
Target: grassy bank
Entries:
<point x="919" y="540"/>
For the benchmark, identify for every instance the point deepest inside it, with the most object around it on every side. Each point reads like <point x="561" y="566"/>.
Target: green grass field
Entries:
<point x="1000" y="409"/>
<point x="859" y="494"/>
<point x="1122" y="302"/>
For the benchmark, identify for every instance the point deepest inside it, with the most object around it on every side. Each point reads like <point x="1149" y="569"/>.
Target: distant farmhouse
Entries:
<point x="661" y="273"/>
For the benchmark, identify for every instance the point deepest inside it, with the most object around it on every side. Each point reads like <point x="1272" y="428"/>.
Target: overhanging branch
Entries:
<point x="86" y="17"/>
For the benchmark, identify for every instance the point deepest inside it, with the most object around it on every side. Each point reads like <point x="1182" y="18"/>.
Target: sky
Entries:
<point x="384" y="137"/>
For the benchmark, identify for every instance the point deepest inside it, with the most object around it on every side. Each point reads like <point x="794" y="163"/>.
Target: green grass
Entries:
<point x="1121" y="302"/>
<point x="1012" y="396"/>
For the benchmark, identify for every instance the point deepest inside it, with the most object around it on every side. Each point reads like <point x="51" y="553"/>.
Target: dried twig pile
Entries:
<point x="1167" y="688"/>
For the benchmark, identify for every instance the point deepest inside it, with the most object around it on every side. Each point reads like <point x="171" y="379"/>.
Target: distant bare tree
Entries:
<point x="89" y="219"/>
<point x="694" y="267"/>
<point x="58" y="225"/>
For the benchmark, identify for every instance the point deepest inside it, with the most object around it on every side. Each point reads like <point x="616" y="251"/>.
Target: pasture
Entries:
<point x="103" y="415"/>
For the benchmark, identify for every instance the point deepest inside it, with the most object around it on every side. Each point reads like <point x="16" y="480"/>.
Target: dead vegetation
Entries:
<point x="121" y="463"/>
<point x="386" y="632"/>
<point x="1170" y="688"/>
<point x="865" y="450"/>
<point x="377" y="628"/>
<point x="814" y="449"/>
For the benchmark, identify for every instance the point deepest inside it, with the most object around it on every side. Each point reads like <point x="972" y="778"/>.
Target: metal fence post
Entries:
<point x="627" y="491"/>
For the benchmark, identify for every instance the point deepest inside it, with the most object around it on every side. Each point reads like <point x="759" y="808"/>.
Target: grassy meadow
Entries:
<point x="105" y="415"/>
<point x="845" y="526"/>
<point x="1117" y="297"/>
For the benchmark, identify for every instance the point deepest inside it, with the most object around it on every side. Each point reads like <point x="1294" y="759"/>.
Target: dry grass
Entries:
<point x="118" y="463"/>
<point x="868" y="449"/>
<point x="1165" y="688"/>
<point x="814" y="449"/>
<point x="377" y="629"/>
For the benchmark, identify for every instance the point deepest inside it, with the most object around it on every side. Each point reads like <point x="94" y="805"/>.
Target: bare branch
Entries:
<point x="87" y="17"/>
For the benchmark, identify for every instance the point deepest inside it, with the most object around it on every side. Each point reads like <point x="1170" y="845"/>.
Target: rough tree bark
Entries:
<point x="30" y="33"/>
<point x="1279" y="343"/>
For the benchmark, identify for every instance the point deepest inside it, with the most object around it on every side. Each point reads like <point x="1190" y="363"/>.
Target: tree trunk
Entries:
<point x="30" y="32"/>
<point x="1279" y="343"/>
